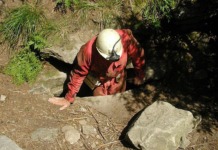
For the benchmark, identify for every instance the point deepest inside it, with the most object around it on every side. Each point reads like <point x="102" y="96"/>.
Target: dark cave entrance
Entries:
<point x="84" y="90"/>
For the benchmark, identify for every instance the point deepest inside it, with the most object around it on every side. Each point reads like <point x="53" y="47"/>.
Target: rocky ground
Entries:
<point x="34" y="124"/>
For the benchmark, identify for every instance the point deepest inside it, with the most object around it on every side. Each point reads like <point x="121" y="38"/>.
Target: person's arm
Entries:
<point x="79" y="72"/>
<point x="137" y="55"/>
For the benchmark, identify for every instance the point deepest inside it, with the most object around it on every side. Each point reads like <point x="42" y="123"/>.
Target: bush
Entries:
<point x="26" y="26"/>
<point x="20" y="24"/>
<point x="24" y="67"/>
<point x="152" y="11"/>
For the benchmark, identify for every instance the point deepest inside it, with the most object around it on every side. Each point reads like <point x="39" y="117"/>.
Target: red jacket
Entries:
<point x="88" y="59"/>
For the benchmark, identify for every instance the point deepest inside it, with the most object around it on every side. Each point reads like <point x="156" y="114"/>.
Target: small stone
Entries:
<point x="67" y="128"/>
<point x="93" y="145"/>
<point x="98" y="137"/>
<point x="44" y="134"/>
<point x="2" y="98"/>
<point x="82" y="122"/>
<point x="88" y="129"/>
<point x="82" y="109"/>
<point x="71" y="134"/>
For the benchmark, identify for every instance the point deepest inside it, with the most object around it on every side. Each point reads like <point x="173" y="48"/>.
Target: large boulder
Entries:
<point x="161" y="126"/>
<point x="119" y="107"/>
<point x="68" y="50"/>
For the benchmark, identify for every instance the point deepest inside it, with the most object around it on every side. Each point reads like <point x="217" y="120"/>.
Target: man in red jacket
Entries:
<point x="101" y="64"/>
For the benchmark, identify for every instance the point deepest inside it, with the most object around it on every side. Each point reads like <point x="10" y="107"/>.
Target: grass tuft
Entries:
<point x="20" y="24"/>
<point x="24" y="67"/>
<point x="152" y="11"/>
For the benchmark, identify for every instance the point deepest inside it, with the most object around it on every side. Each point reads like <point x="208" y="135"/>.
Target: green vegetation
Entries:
<point x="67" y="3"/>
<point x="86" y="4"/>
<point x="179" y="37"/>
<point x="27" y="27"/>
<point x="36" y="42"/>
<point x="20" y="24"/>
<point x="152" y="11"/>
<point x="24" y="67"/>
<point x="82" y="11"/>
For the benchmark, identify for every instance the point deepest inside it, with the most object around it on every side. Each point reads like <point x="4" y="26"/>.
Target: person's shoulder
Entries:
<point x="124" y="31"/>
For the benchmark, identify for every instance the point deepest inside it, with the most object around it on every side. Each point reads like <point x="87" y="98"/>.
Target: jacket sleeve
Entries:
<point x="136" y="53"/>
<point x="79" y="72"/>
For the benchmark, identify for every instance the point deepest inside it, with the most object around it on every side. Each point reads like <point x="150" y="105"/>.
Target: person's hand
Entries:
<point x="59" y="101"/>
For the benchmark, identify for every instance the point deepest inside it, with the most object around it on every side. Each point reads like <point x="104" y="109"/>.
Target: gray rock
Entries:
<point x="118" y="104"/>
<point x="67" y="128"/>
<point x="71" y="134"/>
<point x="82" y="122"/>
<point x="88" y="130"/>
<point x="61" y="54"/>
<point x="56" y="91"/>
<point x="40" y="89"/>
<point x="8" y="144"/>
<point x="68" y="52"/>
<point x="49" y="82"/>
<point x="44" y="134"/>
<point x="2" y="98"/>
<point x="161" y="126"/>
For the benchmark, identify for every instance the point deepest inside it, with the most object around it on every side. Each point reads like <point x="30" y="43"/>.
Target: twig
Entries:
<point x="66" y="120"/>
<point x="73" y="119"/>
<point x="93" y="114"/>
<point x="99" y="130"/>
<point x="78" y="118"/>
<point x="114" y="128"/>
<point x="65" y="143"/>
<point x="17" y="91"/>
<point x="100" y="113"/>
<point x="59" y="144"/>
<point x="33" y="147"/>
<point x="86" y="146"/>
<point x="103" y="145"/>
<point x="212" y="142"/>
<point x="5" y="128"/>
<point x="67" y="147"/>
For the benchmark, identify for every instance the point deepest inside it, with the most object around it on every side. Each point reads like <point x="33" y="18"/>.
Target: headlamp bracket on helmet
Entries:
<point x="113" y="56"/>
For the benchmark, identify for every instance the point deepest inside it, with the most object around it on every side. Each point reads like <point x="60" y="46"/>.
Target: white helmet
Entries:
<point x="108" y="41"/>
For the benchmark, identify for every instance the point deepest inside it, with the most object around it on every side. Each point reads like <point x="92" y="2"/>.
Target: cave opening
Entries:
<point x="84" y="91"/>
